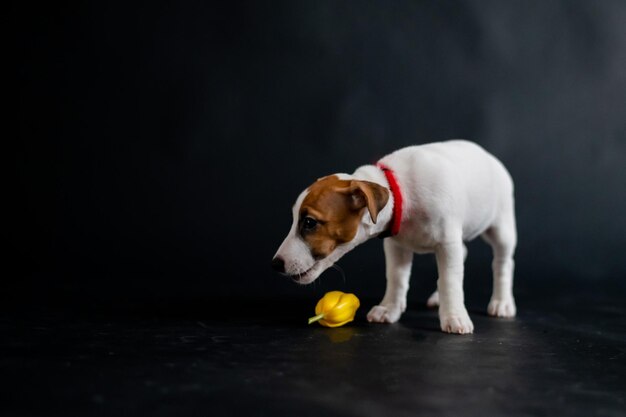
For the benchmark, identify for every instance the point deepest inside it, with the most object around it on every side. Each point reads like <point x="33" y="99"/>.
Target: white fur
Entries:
<point x="452" y="191"/>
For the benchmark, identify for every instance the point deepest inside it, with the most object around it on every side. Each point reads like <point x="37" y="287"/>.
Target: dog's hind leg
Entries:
<point x="433" y="300"/>
<point x="398" y="265"/>
<point x="502" y="237"/>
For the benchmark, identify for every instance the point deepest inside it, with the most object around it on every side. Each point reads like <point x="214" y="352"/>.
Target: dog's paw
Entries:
<point x="384" y="314"/>
<point x="456" y="323"/>
<point x="433" y="300"/>
<point x="502" y="308"/>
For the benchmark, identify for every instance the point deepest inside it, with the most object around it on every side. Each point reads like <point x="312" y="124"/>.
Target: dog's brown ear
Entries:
<point x="368" y="194"/>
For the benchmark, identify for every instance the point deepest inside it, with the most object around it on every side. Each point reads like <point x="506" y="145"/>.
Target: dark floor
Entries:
<point x="563" y="356"/>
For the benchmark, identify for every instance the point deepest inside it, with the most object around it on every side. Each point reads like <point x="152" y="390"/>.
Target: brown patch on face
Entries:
<point x="337" y="206"/>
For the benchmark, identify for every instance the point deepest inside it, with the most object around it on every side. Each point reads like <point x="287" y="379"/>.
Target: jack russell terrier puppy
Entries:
<point x="424" y="199"/>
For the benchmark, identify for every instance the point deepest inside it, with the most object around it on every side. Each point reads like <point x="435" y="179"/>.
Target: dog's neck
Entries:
<point x="374" y="174"/>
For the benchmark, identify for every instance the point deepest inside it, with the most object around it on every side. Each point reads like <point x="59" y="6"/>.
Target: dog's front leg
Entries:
<point x="433" y="300"/>
<point x="398" y="264"/>
<point x="453" y="316"/>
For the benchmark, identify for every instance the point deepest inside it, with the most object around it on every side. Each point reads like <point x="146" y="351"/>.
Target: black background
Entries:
<point x="161" y="145"/>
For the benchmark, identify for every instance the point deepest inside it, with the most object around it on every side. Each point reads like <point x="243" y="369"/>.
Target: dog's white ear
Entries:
<point x="368" y="194"/>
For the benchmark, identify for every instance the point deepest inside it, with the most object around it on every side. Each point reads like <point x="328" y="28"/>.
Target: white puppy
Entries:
<point x="425" y="199"/>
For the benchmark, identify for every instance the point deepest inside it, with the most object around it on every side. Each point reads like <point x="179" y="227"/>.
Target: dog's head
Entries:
<point x="330" y="218"/>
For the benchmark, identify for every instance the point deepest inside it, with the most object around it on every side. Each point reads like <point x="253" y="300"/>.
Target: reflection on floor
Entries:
<point x="557" y="358"/>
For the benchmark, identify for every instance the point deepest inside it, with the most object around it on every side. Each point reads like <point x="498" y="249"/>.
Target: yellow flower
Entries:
<point x="335" y="309"/>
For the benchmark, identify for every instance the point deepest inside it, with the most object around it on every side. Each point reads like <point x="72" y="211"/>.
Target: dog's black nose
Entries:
<point x="278" y="264"/>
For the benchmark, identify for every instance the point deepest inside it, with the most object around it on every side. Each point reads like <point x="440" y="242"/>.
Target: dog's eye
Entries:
<point x="309" y="223"/>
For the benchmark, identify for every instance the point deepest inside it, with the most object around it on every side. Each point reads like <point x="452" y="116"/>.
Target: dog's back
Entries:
<point x="455" y="180"/>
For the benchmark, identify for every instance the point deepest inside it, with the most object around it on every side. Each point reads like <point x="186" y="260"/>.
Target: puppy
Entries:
<point x="423" y="199"/>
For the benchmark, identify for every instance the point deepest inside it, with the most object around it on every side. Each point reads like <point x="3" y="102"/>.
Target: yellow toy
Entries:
<point x="335" y="309"/>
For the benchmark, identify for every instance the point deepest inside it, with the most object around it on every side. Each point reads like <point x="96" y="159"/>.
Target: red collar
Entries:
<point x="397" y="200"/>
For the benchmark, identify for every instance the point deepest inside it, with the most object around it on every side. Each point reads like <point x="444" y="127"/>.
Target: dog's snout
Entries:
<point x="278" y="264"/>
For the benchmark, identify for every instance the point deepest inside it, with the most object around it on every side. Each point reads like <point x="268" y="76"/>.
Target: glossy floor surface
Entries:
<point x="559" y="357"/>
